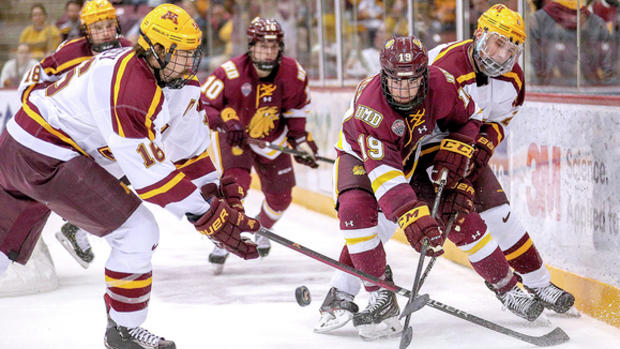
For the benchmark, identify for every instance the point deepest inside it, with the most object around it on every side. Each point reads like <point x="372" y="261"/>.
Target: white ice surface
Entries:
<point x="252" y="305"/>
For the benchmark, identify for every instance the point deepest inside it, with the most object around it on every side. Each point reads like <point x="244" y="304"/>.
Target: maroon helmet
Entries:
<point x="262" y="29"/>
<point x="404" y="58"/>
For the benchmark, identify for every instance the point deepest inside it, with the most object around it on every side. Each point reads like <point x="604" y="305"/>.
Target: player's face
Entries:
<point x="499" y="48"/>
<point x="404" y="90"/>
<point x="265" y="51"/>
<point x="181" y="64"/>
<point x="102" y="31"/>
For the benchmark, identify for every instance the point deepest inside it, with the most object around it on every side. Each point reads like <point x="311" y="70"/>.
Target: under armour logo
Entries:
<point x="475" y="235"/>
<point x="349" y="224"/>
<point x="422" y="129"/>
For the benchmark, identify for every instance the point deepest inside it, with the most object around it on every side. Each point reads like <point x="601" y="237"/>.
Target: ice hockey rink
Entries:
<point x="252" y="304"/>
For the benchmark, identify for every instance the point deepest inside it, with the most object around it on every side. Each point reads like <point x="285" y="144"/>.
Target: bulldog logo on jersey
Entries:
<point x="398" y="127"/>
<point x="359" y="170"/>
<point x="263" y="121"/>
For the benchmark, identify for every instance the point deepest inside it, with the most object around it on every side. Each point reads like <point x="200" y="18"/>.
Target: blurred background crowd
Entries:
<point x="572" y="45"/>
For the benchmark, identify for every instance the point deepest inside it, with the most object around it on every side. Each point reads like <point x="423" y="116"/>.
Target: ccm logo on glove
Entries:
<point x="457" y="147"/>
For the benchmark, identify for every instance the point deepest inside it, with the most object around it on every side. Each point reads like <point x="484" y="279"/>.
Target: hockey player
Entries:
<point x="388" y="141"/>
<point x="101" y="32"/>
<point x="263" y="95"/>
<point x="486" y="67"/>
<point x="65" y="149"/>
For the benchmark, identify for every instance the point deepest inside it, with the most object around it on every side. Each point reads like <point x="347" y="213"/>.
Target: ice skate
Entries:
<point x="75" y="241"/>
<point x="119" y="337"/>
<point x="519" y="302"/>
<point x="380" y="318"/>
<point x="217" y="258"/>
<point x="336" y="311"/>
<point x="263" y="245"/>
<point x="553" y="297"/>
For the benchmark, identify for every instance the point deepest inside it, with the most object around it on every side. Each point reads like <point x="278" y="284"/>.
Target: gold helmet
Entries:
<point x="571" y="4"/>
<point x="504" y="21"/>
<point x="506" y="29"/>
<point x="171" y="27"/>
<point x="96" y="11"/>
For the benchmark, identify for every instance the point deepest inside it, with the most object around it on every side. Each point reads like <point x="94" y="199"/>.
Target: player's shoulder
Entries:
<point x="454" y="58"/>
<point x="69" y="54"/>
<point x="371" y="107"/>
<point x="132" y="80"/>
<point x="291" y="69"/>
<point x="125" y="43"/>
<point x="439" y="78"/>
<point x="515" y="77"/>
<point x="232" y="68"/>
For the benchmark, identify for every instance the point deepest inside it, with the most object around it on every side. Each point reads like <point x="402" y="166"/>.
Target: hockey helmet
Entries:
<point x="404" y="66"/>
<point x="171" y="27"/>
<point x="499" y="40"/>
<point x="97" y="11"/>
<point x="265" y="29"/>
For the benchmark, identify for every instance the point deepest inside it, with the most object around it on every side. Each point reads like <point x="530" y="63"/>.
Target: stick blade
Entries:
<point x="405" y="339"/>
<point x="555" y="337"/>
<point x="418" y="303"/>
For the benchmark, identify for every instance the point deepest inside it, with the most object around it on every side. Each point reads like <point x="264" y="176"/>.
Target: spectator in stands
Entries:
<point x="219" y="32"/>
<point x="15" y="68"/>
<point x="365" y="63"/>
<point x="69" y="23"/>
<point x="41" y="37"/>
<point x="554" y="51"/>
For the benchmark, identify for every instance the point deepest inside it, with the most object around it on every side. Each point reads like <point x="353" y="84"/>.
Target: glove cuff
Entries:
<point x="413" y="215"/>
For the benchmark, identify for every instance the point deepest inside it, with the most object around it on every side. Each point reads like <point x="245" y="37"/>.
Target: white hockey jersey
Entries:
<point x="111" y="109"/>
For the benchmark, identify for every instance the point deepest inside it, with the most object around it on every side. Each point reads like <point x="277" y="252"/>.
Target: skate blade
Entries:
<point x="217" y="269"/>
<point x="69" y="247"/>
<point x="329" y="322"/>
<point x="387" y="328"/>
<point x="572" y="312"/>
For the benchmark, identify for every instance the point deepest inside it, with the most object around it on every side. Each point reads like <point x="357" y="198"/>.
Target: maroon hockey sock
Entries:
<point x="523" y="256"/>
<point x="495" y="270"/>
<point x="371" y="262"/>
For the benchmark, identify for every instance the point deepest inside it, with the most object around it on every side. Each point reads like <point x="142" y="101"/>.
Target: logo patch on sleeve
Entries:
<point x="398" y="127"/>
<point x="368" y="115"/>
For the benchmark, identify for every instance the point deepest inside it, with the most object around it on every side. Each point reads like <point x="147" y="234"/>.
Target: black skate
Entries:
<point x="380" y="318"/>
<point x="119" y="337"/>
<point x="75" y="241"/>
<point x="553" y="297"/>
<point x="217" y="258"/>
<point x="519" y="302"/>
<point x="337" y="310"/>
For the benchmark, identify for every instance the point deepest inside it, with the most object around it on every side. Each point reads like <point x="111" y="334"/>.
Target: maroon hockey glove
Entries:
<point x="457" y="199"/>
<point x="304" y="143"/>
<point x="229" y="190"/>
<point x="223" y="225"/>
<point x="417" y="224"/>
<point x="235" y="133"/>
<point x="455" y="152"/>
<point x="486" y="142"/>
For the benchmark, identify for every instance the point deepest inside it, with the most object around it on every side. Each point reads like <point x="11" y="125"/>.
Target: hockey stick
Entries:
<point x="287" y="150"/>
<point x="411" y="307"/>
<point x="557" y="336"/>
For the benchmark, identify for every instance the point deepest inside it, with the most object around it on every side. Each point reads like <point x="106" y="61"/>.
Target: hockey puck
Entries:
<point x="302" y="294"/>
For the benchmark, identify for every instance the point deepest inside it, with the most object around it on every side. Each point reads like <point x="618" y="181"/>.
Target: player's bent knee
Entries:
<point x="278" y="202"/>
<point x="241" y="175"/>
<point x="472" y="230"/>
<point x="357" y="209"/>
<point x="133" y="242"/>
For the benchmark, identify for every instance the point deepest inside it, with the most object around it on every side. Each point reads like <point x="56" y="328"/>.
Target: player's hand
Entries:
<point x="304" y="143"/>
<point x="455" y="152"/>
<point x="228" y="190"/>
<point x="483" y="153"/>
<point x="418" y="224"/>
<point x="235" y="132"/>
<point x="457" y="199"/>
<point x="224" y="225"/>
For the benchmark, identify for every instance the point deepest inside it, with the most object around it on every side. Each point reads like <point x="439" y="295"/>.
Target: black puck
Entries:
<point x="302" y="294"/>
